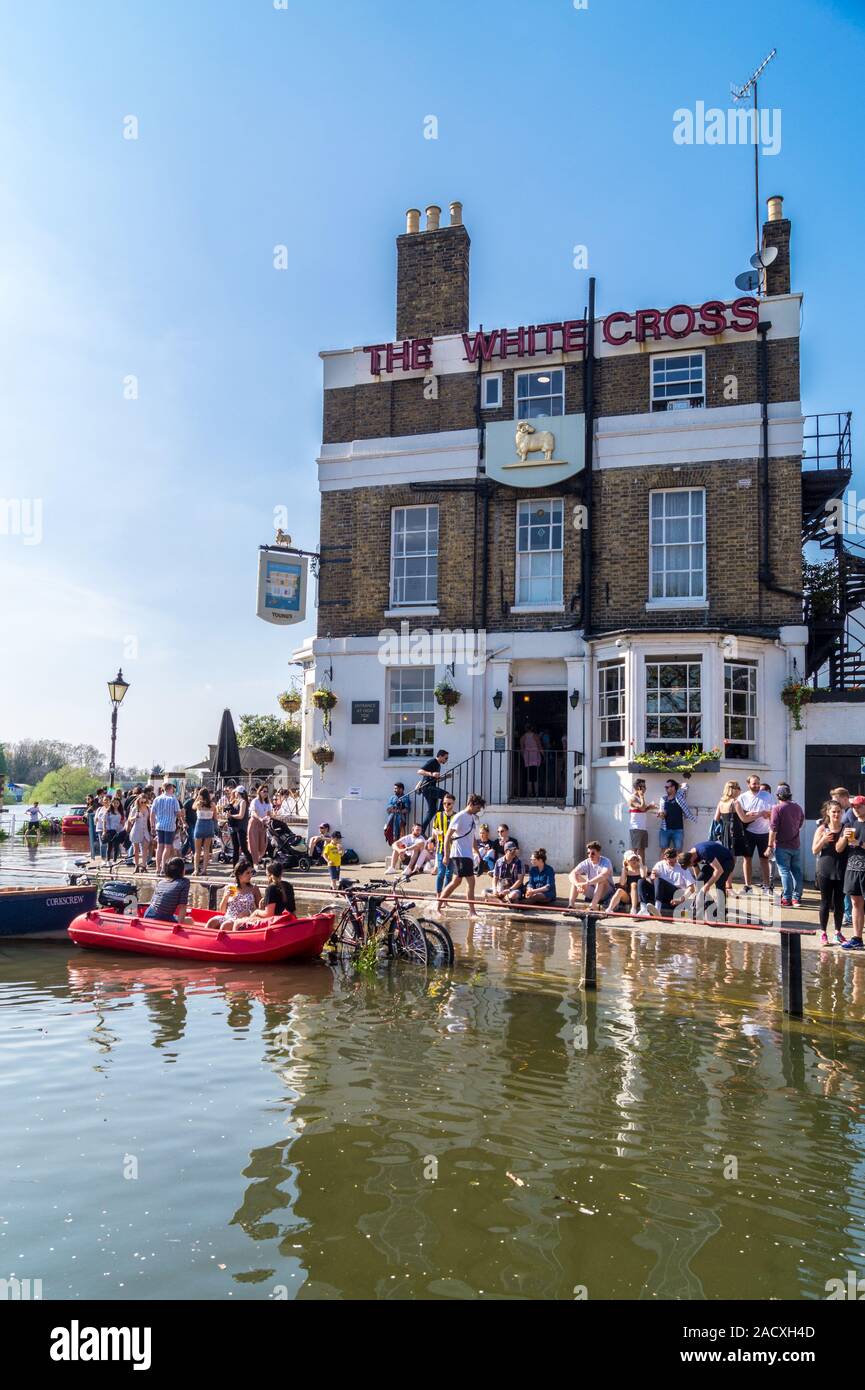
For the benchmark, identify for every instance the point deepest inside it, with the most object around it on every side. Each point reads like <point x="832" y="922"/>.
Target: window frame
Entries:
<point x="548" y="604"/>
<point x="674" y="743"/>
<point x="486" y="379"/>
<point x="666" y="600"/>
<point x="609" y="748"/>
<point x="540" y="371"/>
<point x="696" y="400"/>
<point x="753" y="695"/>
<point x="427" y="717"/>
<point x="428" y="555"/>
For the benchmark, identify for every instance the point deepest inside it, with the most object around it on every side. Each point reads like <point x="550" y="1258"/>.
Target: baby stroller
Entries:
<point x="222" y="846"/>
<point x="286" y="848"/>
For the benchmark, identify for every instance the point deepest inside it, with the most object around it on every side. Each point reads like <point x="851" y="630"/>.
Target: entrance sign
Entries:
<point x="364" y="711"/>
<point x="281" y="586"/>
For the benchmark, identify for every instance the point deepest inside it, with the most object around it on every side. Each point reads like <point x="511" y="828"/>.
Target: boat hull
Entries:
<point x="282" y="938"/>
<point x="40" y="913"/>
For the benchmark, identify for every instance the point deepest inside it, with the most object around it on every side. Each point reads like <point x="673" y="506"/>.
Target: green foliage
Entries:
<point x="690" y="759"/>
<point x="64" y="785"/>
<point x="820" y="583"/>
<point x="270" y="734"/>
<point x="29" y="760"/>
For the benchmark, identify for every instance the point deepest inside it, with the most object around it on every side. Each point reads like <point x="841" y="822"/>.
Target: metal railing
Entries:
<point x="827" y="444"/>
<point x="502" y="778"/>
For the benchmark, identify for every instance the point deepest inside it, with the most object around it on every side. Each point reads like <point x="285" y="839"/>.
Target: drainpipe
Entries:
<point x="584" y="616"/>
<point x="486" y="495"/>
<point x="767" y="577"/>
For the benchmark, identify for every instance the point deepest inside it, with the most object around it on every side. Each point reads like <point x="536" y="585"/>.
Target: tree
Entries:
<point x="271" y="735"/>
<point x="31" y="759"/>
<point x="64" y="785"/>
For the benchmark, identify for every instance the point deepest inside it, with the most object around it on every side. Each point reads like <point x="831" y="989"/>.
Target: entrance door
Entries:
<point x="539" y="727"/>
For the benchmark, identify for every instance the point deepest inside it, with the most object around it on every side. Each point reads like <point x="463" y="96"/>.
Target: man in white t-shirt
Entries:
<point x="756" y="805"/>
<point x="593" y="876"/>
<point x="406" y="850"/>
<point x="668" y="884"/>
<point x="460" y="846"/>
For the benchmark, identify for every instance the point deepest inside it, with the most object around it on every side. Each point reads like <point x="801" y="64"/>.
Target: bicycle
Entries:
<point x="403" y="936"/>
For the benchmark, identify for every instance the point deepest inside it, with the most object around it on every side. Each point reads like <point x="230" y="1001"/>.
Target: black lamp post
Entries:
<point x="116" y="691"/>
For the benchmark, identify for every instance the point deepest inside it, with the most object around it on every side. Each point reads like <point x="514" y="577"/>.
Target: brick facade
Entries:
<point x="432" y="283"/>
<point x="399" y="407"/>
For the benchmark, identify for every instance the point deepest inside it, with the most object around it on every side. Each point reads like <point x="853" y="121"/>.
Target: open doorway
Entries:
<point x="539" y="726"/>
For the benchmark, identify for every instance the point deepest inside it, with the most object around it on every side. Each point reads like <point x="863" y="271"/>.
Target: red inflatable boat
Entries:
<point x="280" y="938"/>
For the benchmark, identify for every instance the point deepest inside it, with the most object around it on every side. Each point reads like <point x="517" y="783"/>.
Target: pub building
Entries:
<point x="593" y="531"/>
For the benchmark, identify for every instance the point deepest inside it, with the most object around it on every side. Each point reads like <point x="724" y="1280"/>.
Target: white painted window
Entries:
<point x="677" y="543"/>
<point x="678" y="380"/>
<point x="740" y="709"/>
<point x="539" y="552"/>
<point x="410" y="711"/>
<point x="491" y="392"/>
<point x="611" y="708"/>
<point x="674" y="703"/>
<point x="414" y="550"/>
<point x="540" y="393"/>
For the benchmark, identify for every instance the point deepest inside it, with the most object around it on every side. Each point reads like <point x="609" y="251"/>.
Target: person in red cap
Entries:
<point x="854" y="877"/>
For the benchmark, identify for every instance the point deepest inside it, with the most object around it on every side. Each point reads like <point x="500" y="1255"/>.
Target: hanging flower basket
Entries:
<point x="795" y="694"/>
<point x="447" y="695"/>
<point x="290" y="701"/>
<point x="321" y="754"/>
<point x="324" y="699"/>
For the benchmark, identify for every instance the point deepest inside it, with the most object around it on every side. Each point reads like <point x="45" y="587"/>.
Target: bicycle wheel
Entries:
<point x="407" y="940"/>
<point x="348" y="934"/>
<point x="439" y="942"/>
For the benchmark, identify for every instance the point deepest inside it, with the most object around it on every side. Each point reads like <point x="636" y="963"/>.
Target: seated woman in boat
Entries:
<point x="239" y="900"/>
<point x="171" y="893"/>
<point x="278" y="896"/>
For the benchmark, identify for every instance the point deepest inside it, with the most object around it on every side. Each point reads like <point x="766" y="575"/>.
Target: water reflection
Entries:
<point x="491" y="1132"/>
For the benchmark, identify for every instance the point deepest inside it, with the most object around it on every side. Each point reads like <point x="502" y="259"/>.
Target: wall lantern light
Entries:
<point x="497" y="699"/>
<point x="574" y="698"/>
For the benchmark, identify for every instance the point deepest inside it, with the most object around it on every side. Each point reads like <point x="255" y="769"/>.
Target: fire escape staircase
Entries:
<point x="835" y="592"/>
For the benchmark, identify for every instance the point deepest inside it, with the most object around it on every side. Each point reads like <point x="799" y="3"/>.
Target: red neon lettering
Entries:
<point x="746" y="308"/>
<point x="648" y="322"/>
<point x="548" y="330"/>
<point x="714" y="316"/>
<point x="690" y="316"/>
<point x="483" y="343"/>
<point x="510" y="343"/>
<point x="421" y="352"/>
<point x="375" y="357"/>
<point x="574" y="335"/>
<point x="608" y="326"/>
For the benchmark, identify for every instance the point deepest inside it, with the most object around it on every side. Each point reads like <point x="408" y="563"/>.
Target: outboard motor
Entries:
<point x="117" y="896"/>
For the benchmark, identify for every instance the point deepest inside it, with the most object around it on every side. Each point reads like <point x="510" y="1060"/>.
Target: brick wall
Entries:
<point x="620" y="587"/>
<point x="432" y="283"/>
<point x="398" y="407"/>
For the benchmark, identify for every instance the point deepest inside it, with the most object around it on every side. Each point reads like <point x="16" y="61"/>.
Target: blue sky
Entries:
<point x="304" y="126"/>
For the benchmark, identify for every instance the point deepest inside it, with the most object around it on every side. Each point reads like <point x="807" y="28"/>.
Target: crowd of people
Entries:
<point x="153" y="826"/>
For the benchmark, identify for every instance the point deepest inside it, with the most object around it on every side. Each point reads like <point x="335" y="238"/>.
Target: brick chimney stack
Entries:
<point x="432" y="275"/>
<point x="776" y="232"/>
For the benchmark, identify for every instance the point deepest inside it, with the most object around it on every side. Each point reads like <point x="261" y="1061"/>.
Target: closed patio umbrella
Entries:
<point x="226" y="756"/>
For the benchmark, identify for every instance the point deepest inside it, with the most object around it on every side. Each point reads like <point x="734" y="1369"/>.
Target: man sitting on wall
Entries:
<point x="593" y="877"/>
<point x="669" y="883"/>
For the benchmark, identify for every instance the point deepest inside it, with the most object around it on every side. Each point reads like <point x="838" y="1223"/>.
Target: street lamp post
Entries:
<point x="116" y="691"/>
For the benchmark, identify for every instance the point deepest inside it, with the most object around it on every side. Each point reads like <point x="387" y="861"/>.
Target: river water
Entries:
<point x="315" y="1132"/>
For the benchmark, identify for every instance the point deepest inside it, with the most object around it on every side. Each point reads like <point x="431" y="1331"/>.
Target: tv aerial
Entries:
<point x="739" y="94"/>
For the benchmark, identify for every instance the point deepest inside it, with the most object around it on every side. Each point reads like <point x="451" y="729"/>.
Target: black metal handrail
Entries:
<point x="503" y="778"/>
<point x="828" y="444"/>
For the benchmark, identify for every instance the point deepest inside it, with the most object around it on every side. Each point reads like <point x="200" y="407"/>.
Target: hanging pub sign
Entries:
<point x="535" y="453"/>
<point x="281" y="585"/>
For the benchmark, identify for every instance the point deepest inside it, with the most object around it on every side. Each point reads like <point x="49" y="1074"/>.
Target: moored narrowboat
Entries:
<point x="42" y="910"/>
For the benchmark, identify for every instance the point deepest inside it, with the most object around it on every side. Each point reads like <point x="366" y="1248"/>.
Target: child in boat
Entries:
<point x="171" y="893"/>
<point x="332" y="856"/>
<point x="239" y="901"/>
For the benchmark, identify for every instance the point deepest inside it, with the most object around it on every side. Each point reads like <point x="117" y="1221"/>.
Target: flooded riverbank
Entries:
<point x="185" y="1131"/>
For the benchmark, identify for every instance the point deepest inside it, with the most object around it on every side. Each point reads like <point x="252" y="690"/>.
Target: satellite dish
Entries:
<point x="761" y="259"/>
<point x="748" y="281"/>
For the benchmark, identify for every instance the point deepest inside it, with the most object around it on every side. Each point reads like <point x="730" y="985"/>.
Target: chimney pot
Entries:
<point x="412" y="221"/>
<point x="433" y="215"/>
<point x="775" y="207"/>
<point x="456" y="212"/>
